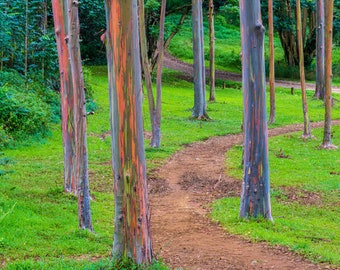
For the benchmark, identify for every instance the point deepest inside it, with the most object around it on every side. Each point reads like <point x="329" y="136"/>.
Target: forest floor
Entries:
<point x="181" y="192"/>
<point x="187" y="70"/>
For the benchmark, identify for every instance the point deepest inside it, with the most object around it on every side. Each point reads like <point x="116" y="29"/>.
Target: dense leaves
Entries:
<point x="25" y="109"/>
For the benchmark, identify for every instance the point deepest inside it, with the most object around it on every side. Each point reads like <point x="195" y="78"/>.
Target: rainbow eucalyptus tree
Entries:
<point x="255" y="198"/>
<point x="155" y="104"/>
<point x="212" y="50"/>
<point x="327" y="138"/>
<point x="271" y="63"/>
<point x="66" y="93"/>
<point x="306" y="123"/>
<point x="81" y="159"/>
<point x="132" y="235"/>
<point x="200" y="106"/>
<point x="320" y="50"/>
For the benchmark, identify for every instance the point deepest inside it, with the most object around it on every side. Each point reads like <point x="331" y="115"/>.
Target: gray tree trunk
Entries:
<point x="320" y="50"/>
<point x="199" y="110"/>
<point x="255" y="198"/>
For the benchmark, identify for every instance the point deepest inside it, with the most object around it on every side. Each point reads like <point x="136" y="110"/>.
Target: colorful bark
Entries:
<point x="306" y="123"/>
<point x="271" y="63"/>
<point x="81" y="160"/>
<point x="327" y="136"/>
<point x="199" y="110"/>
<point x="212" y="50"/>
<point x="320" y="50"/>
<point x="255" y="198"/>
<point x="132" y="235"/>
<point x="66" y="93"/>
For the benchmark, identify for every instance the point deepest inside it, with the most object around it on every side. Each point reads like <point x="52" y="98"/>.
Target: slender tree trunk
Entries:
<point x="145" y="59"/>
<point x="212" y="50"/>
<point x="255" y="198"/>
<point x="327" y="136"/>
<point x="157" y="114"/>
<point x="44" y="28"/>
<point x="320" y="50"/>
<point x="199" y="110"/>
<point x="271" y="63"/>
<point x="306" y="128"/>
<point x="82" y="180"/>
<point x="26" y="40"/>
<point x="132" y="235"/>
<point x="60" y="12"/>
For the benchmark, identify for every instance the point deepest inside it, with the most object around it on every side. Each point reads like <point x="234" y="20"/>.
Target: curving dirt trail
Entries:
<point x="183" y="235"/>
<point x="171" y="62"/>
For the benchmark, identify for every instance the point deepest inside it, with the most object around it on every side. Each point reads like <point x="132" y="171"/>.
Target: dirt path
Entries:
<point x="187" y="69"/>
<point x="184" y="236"/>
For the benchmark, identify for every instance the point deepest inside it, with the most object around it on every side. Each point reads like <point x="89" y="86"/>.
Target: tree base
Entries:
<point x="328" y="146"/>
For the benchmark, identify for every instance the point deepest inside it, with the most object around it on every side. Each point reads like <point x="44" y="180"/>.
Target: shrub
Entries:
<point x="22" y="113"/>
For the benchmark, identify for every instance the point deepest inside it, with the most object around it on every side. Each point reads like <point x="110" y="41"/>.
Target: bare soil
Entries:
<point x="180" y="195"/>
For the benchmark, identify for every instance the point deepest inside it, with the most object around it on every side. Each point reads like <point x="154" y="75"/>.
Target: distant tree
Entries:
<point x="271" y="63"/>
<point x="306" y="128"/>
<point x="212" y="50"/>
<point x="199" y="110"/>
<point x="255" y="198"/>
<point x="60" y="9"/>
<point x="156" y="123"/>
<point x="327" y="136"/>
<point x="320" y="50"/>
<point x="132" y="236"/>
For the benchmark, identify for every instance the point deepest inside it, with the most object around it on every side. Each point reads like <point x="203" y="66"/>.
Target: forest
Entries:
<point x="154" y="134"/>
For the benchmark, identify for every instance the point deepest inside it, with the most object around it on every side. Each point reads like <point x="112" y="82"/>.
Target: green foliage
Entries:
<point x="305" y="197"/>
<point x="25" y="109"/>
<point x="41" y="50"/>
<point x="92" y="26"/>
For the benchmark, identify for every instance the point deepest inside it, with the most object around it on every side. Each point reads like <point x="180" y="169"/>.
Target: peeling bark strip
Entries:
<point x="82" y="181"/>
<point x="132" y="235"/>
<point x="255" y="198"/>
<point x="60" y="8"/>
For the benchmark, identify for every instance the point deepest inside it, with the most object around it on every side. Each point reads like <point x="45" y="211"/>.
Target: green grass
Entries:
<point x="305" y="197"/>
<point x="38" y="222"/>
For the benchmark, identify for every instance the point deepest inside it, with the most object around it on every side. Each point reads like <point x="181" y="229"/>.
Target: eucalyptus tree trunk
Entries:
<point x="271" y="63"/>
<point x="157" y="113"/>
<point x="199" y="110"/>
<point x="212" y="50"/>
<point x="60" y="16"/>
<point x="327" y="138"/>
<point x="132" y="235"/>
<point x="81" y="160"/>
<point x="255" y="197"/>
<point x="320" y="50"/>
<point x="306" y="124"/>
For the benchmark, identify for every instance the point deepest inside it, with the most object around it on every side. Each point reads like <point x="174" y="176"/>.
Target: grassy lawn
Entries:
<point x="38" y="222"/>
